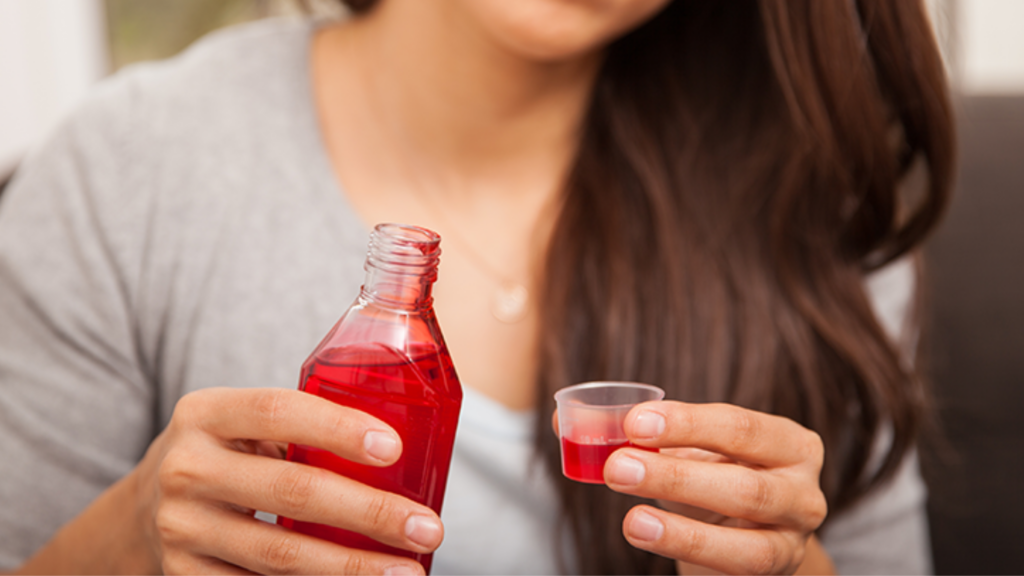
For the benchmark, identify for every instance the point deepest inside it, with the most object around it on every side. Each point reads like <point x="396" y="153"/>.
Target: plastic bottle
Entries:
<point x="386" y="357"/>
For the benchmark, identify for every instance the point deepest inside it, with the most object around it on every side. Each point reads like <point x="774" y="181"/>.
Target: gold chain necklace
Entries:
<point x="510" y="301"/>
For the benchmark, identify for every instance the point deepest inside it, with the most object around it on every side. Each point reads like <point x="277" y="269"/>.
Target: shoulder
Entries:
<point x="167" y="150"/>
<point x="233" y="98"/>
<point x="245" y="59"/>
<point x="225" y="77"/>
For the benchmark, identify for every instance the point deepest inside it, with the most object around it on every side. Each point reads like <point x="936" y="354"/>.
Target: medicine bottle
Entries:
<point x="386" y="357"/>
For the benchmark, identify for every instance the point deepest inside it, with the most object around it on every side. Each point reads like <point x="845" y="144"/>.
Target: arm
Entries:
<point x="75" y="402"/>
<point x="816" y="561"/>
<point x="119" y="548"/>
<point x="760" y="518"/>
<point x="85" y="486"/>
<point x="188" y="506"/>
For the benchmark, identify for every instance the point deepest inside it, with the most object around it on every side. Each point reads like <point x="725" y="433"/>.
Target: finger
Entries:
<point x="729" y="550"/>
<point x="181" y="562"/>
<point x="271" y="549"/>
<point x="733" y="490"/>
<point x="695" y="454"/>
<point x="309" y="494"/>
<point x="233" y="539"/>
<point x="261" y="447"/>
<point x="292" y="416"/>
<point x="741" y="434"/>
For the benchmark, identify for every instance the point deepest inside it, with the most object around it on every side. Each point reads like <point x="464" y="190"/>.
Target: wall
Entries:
<point x="51" y="51"/>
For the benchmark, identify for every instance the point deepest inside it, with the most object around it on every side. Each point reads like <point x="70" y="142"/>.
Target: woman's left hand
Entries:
<point x="739" y="489"/>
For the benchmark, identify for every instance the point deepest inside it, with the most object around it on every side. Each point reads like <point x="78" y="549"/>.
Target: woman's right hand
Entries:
<point x="222" y="457"/>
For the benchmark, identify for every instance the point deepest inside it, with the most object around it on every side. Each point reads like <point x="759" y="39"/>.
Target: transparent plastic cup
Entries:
<point x="590" y="417"/>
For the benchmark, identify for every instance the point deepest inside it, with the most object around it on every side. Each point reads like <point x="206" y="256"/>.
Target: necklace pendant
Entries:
<point x="509" y="303"/>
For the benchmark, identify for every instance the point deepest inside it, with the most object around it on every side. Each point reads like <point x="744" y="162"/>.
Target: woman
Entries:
<point x="683" y="193"/>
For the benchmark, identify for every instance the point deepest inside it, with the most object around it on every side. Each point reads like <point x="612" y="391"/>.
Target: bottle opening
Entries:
<point x="404" y="249"/>
<point x="408" y="234"/>
<point x="401" y="265"/>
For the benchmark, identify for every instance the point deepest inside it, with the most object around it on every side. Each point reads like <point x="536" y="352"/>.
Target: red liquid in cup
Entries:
<point x="585" y="462"/>
<point x="418" y="395"/>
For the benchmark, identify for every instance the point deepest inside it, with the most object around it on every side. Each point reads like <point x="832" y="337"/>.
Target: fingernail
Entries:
<point x="401" y="570"/>
<point x="625" y="471"/>
<point x="380" y="445"/>
<point x="646" y="527"/>
<point x="648" y="424"/>
<point x="423" y="530"/>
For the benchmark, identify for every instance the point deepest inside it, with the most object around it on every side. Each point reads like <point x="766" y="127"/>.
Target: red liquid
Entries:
<point x="585" y="462"/>
<point x="418" y="395"/>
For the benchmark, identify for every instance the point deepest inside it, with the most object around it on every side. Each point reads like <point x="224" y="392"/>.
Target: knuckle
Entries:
<point x="765" y="557"/>
<point x="270" y="409"/>
<point x="295" y="489"/>
<point x="175" y="473"/>
<point x="694" y="544"/>
<point x="338" y="421"/>
<point x="346" y="428"/>
<point x="755" y="493"/>
<point x="817" y="510"/>
<point x="187" y="408"/>
<point x="746" y="429"/>
<point x="357" y="563"/>
<point x="282" y="554"/>
<point x="381" y="513"/>
<point x="813" y="449"/>
<point x="675" y="481"/>
<point x="171" y="525"/>
<point x="685" y="422"/>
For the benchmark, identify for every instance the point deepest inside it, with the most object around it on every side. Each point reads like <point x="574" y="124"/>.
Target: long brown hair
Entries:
<point x="741" y="167"/>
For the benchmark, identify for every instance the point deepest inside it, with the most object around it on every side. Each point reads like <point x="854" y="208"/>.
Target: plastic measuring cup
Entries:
<point x="590" y="417"/>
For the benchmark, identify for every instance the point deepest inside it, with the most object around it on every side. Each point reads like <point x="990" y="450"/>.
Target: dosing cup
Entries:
<point x="590" y="418"/>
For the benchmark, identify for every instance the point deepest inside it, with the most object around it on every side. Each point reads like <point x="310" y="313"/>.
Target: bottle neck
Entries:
<point x="401" y="266"/>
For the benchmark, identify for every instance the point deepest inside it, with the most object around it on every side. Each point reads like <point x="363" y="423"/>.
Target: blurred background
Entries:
<point x="52" y="51"/>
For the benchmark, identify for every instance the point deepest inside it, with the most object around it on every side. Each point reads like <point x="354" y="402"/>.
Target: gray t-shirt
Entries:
<point x="183" y="229"/>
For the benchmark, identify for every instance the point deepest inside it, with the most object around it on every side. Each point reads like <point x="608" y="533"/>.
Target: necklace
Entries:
<point x="510" y="301"/>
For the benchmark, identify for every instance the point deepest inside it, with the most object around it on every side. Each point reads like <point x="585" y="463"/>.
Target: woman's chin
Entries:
<point x="557" y="30"/>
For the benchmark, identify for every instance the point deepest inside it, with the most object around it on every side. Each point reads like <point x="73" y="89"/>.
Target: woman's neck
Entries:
<point x="427" y="119"/>
<point x="456" y="107"/>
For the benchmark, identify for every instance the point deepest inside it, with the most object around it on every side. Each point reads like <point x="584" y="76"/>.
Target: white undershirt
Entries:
<point x="500" y="507"/>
